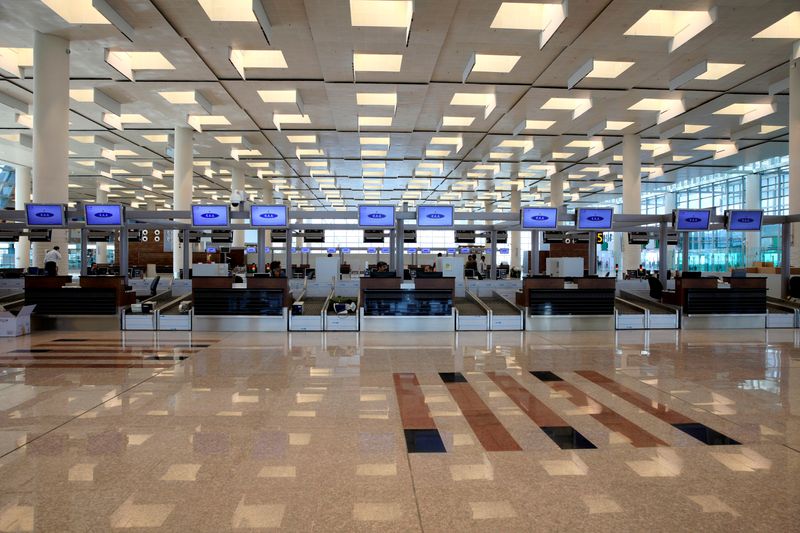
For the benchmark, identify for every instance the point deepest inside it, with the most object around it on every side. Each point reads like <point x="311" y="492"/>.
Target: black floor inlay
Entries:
<point x="705" y="434"/>
<point x="568" y="439"/>
<point x="70" y="340"/>
<point x="545" y="375"/>
<point x="166" y="358"/>
<point x="424" y="441"/>
<point x="452" y="377"/>
<point x="32" y="350"/>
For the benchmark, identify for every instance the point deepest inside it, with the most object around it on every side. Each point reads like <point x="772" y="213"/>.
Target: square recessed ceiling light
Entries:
<point x="499" y="64"/>
<point x="279" y="119"/>
<point x="387" y="99"/>
<point x="786" y="28"/>
<point x="437" y="153"/>
<point x="302" y="139"/>
<point x="457" y="121"/>
<point x="228" y="10"/>
<point x="608" y="69"/>
<point x="82" y="95"/>
<point x="716" y="71"/>
<point x="198" y="121"/>
<point x="374" y="121"/>
<point x="157" y="138"/>
<point x="229" y="139"/>
<point x="126" y="62"/>
<point x="133" y="118"/>
<point x="679" y="26"/>
<point x="578" y="106"/>
<point x="667" y="108"/>
<point x="748" y="112"/>
<point x="617" y="125"/>
<point x="378" y="141"/>
<point x="76" y="11"/>
<point x="373" y="153"/>
<point x="250" y="59"/>
<point x="381" y="13"/>
<point x="766" y="129"/>
<point x="285" y="96"/>
<point x="694" y="128"/>
<point x="544" y="17"/>
<point x="179" y="97"/>
<point x="377" y="62"/>
<point x="538" y="124"/>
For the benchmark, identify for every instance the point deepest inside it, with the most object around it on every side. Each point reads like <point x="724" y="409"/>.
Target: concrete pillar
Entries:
<point x="631" y="194"/>
<point x="22" y="195"/>
<point x="237" y="184"/>
<point x="51" y="133"/>
<point x="181" y="187"/>
<point x="516" y="236"/>
<point x="490" y="266"/>
<point x="794" y="160"/>
<point x="669" y="206"/>
<point x="752" y="200"/>
<point x="101" y="197"/>
<point x="557" y="191"/>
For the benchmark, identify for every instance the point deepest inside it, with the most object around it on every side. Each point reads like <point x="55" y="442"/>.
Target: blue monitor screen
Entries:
<point x="502" y="250"/>
<point x="595" y="218"/>
<point x="539" y="217"/>
<point x="331" y="250"/>
<point x="692" y="219"/>
<point x="211" y="250"/>
<point x="451" y="250"/>
<point x="294" y="249"/>
<point x="345" y="250"/>
<point x="251" y="249"/>
<point x="305" y="250"/>
<point x="435" y="216"/>
<point x="465" y="250"/>
<point x="745" y="220"/>
<point x="266" y="249"/>
<point x="426" y="250"/>
<point x="411" y="250"/>
<point x="384" y="250"/>
<point x="46" y="214"/>
<point x="270" y="216"/>
<point x="103" y="214"/>
<point x="376" y="216"/>
<point x="214" y="215"/>
<point x="371" y="250"/>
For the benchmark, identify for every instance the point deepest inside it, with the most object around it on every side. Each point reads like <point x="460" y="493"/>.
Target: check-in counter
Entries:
<point x="738" y="303"/>
<point x="554" y="304"/>
<point x="425" y="306"/>
<point x="95" y="304"/>
<point x="261" y="306"/>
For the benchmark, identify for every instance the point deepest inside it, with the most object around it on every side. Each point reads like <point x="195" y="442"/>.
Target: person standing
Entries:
<point x="51" y="259"/>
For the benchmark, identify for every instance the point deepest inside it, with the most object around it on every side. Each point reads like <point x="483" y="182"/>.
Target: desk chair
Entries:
<point x="656" y="288"/>
<point x="154" y="285"/>
<point x="794" y="287"/>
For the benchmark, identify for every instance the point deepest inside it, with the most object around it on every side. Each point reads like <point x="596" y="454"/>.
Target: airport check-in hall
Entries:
<point x="399" y="265"/>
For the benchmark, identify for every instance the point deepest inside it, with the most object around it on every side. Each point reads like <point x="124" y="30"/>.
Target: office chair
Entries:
<point x="154" y="285"/>
<point x="794" y="287"/>
<point x="656" y="288"/>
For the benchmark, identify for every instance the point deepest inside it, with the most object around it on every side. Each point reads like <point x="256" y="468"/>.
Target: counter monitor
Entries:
<point x="691" y="219"/>
<point x="104" y="214"/>
<point x="46" y="215"/>
<point x="435" y="216"/>
<point x="268" y="216"/>
<point x="539" y="217"/>
<point x="743" y="220"/>
<point x="376" y="216"/>
<point x="211" y="216"/>
<point x="594" y="218"/>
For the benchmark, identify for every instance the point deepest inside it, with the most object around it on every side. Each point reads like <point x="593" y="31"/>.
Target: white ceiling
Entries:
<point x="317" y="40"/>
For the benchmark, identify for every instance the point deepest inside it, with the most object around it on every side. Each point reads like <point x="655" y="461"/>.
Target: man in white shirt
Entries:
<point x="51" y="259"/>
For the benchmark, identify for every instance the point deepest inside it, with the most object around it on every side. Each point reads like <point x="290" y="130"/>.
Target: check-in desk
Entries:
<point x="423" y="305"/>
<point x="261" y="306"/>
<point x="555" y="305"/>
<point x="94" y="304"/>
<point x="736" y="304"/>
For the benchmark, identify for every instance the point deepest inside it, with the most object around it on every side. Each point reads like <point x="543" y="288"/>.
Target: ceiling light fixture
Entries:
<point x="377" y="62"/>
<point x="489" y="63"/>
<point x="129" y="63"/>
<point x="256" y="59"/>
<point x="578" y="106"/>
<point x="382" y="14"/>
<point x="543" y="17"/>
<point x="679" y="26"/>
<point x="595" y="68"/>
<point x="488" y="101"/>
<point x="186" y="98"/>
<point x="786" y="28"/>
<point x="748" y="112"/>
<point x="198" y="121"/>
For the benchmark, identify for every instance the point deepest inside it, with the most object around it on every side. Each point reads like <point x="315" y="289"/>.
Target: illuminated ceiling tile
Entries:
<point x="540" y="125"/>
<point x="578" y="106"/>
<point x="308" y="152"/>
<point x="228" y="10"/>
<point x="500" y="155"/>
<point x="239" y="153"/>
<point x="199" y="121"/>
<point x="374" y="121"/>
<point x="13" y="59"/>
<point x="377" y="62"/>
<point x="157" y="138"/>
<point x="133" y="118"/>
<point x="279" y="119"/>
<point x="679" y="26"/>
<point x="186" y="97"/>
<point x="315" y="164"/>
<point x="285" y="96"/>
<point x="375" y="141"/>
<point x="562" y="155"/>
<point x="595" y="68"/>
<point x="679" y="158"/>
<point x="666" y="108"/>
<point x="382" y="14"/>
<point x="249" y="59"/>
<point x="457" y="121"/>
<point x="229" y="139"/>
<point x="488" y="101"/>
<point x="543" y="17"/>
<point x="380" y="166"/>
<point x="617" y="125"/>
<point x="786" y="28"/>
<point x="716" y="71"/>
<point x="499" y="64"/>
<point x="437" y="153"/>
<point x="124" y="152"/>
<point x="657" y="148"/>
<point x="720" y="150"/>
<point x="387" y="99"/>
<point x="766" y="129"/>
<point x="82" y="95"/>
<point x="694" y="128"/>
<point x="128" y="63"/>
<point x="302" y="139"/>
<point x="85" y="139"/>
<point x="76" y="11"/>
<point x="373" y="153"/>
<point x="748" y="112"/>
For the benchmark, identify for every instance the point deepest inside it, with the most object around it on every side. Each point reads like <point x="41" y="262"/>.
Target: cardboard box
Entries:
<point x="14" y="326"/>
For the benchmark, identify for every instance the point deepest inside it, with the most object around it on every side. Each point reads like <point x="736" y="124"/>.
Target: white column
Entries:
<point x="101" y="197"/>
<point x="516" y="236"/>
<point x="631" y="194"/>
<point x="557" y="191"/>
<point x="268" y="197"/>
<point x="794" y="156"/>
<point x="752" y="200"/>
<point x="669" y="207"/>
<point x="51" y="133"/>
<point x="237" y="184"/>
<point x="181" y="187"/>
<point x="22" y="195"/>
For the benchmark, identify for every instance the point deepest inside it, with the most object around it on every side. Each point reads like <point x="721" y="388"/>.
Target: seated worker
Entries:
<point x="427" y="268"/>
<point x="275" y="269"/>
<point x="472" y="263"/>
<point x="382" y="266"/>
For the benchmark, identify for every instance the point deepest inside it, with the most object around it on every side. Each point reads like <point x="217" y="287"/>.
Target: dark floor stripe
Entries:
<point x="555" y="427"/>
<point x="83" y="365"/>
<point x="607" y="416"/>
<point x="423" y="441"/>
<point x="56" y="357"/>
<point x="545" y="375"/>
<point x="419" y="427"/>
<point x="490" y="432"/>
<point x="659" y="410"/>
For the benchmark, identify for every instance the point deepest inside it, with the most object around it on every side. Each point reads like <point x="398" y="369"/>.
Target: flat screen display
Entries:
<point x="411" y="250"/>
<point x="691" y="219"/>
<point x="103" y="214"/>
<point x="51" y="215"/>
<point x="465" y="250"/>
<point x="435" y="216"/>
<point x="539" y="217"/>
<point x="410" y="236"/>
<point x="594" y="218"/>
<point x="371" y="250"/>
<point x="251" y="249"/>
<point x="268" y="216"/>
<point x="426" y="250"/>
<point x="376" y="216"/>
<point x="749" y="220"/>
<point x="345" y="250"/>
<point x="211" y="250"/>
<point x="331" y="250"/>
<point x="451" y="250"/>
<point x="211" y="216"/>
<point x="305" y="250"/>
<point x="384" y="250"/>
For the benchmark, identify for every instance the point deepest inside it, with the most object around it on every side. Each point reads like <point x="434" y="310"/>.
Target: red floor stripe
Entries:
<point x="490" y="432"/>
<point x="414" y="412"/>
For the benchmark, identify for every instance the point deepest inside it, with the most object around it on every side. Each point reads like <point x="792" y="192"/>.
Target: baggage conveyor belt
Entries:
<point x="469" y="307"/>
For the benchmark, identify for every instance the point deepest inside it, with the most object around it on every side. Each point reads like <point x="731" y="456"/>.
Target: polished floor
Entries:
<point x="628" y="431"/>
